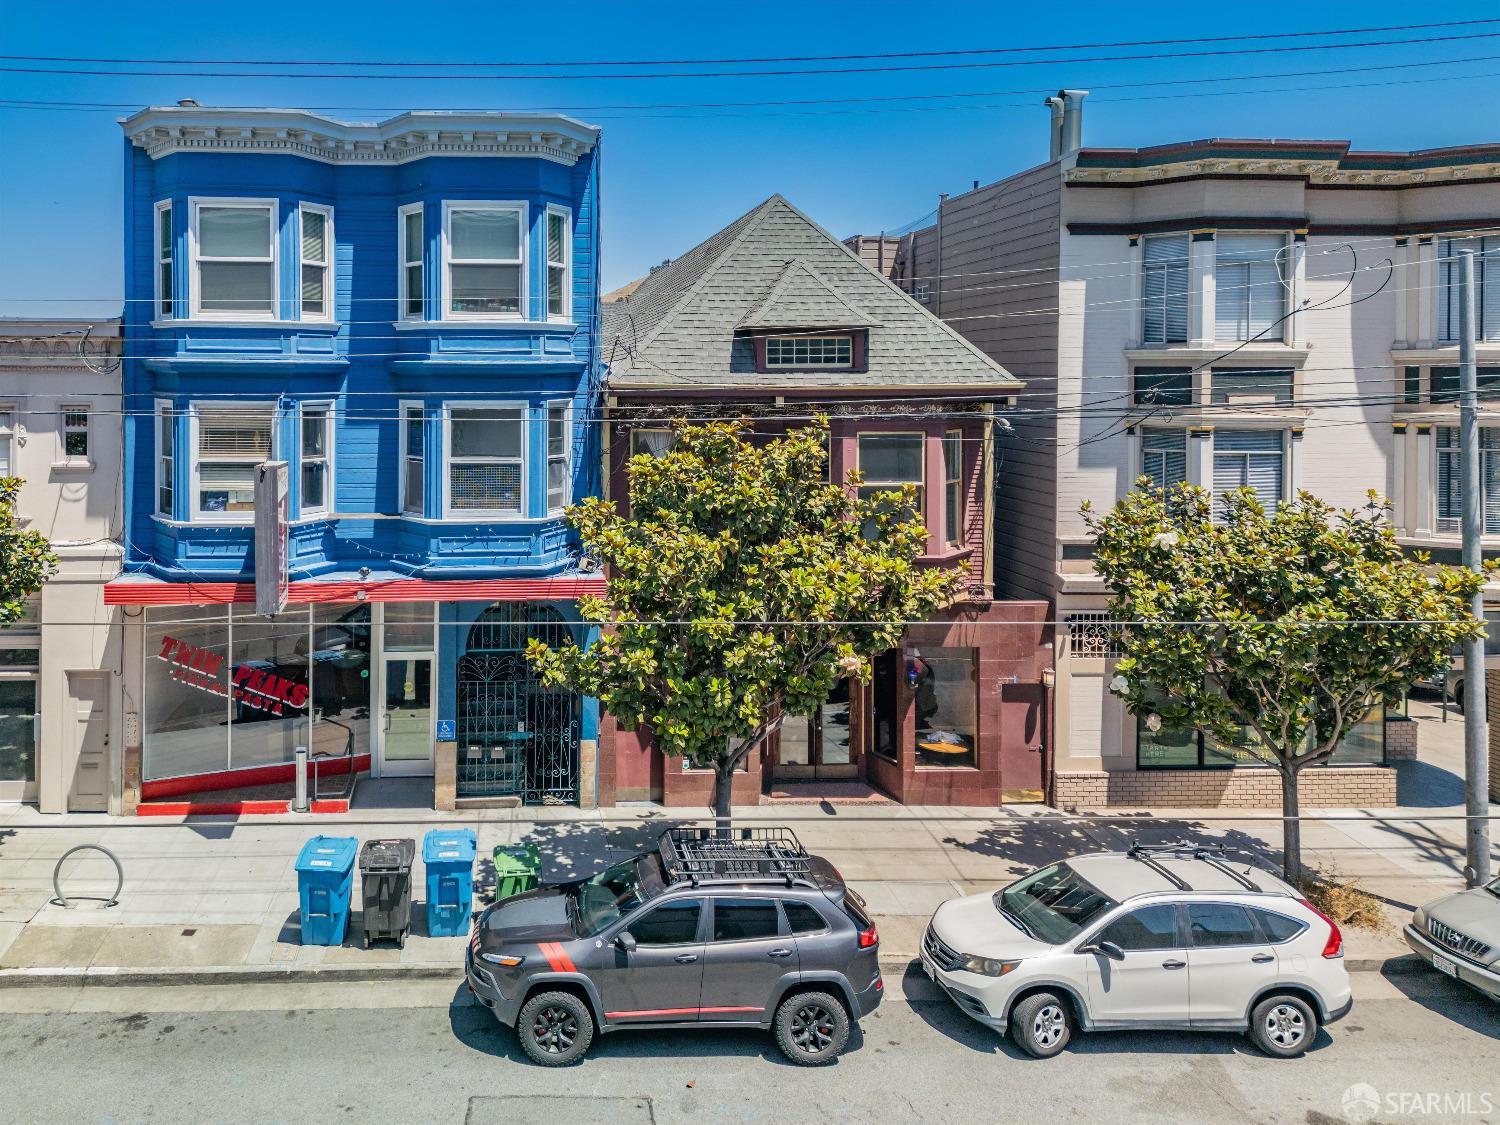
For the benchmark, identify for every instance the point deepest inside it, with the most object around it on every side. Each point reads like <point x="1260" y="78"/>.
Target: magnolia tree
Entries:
<point x="1277" y="631"/>
<point x="742" y="586"/>
<point x="26" y="558"/>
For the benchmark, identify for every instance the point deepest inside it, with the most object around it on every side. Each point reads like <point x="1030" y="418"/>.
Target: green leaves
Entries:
<point x="741" y="587"/>
<point x="26" y="558"/>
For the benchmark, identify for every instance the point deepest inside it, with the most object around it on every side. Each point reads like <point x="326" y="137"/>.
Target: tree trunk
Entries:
<point x="1291" y="828"/>
<point x="724" y="790"/>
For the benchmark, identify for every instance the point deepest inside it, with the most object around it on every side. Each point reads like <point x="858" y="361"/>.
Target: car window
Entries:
<point x="607" y="897"/>
<point x="739" y="919"/>
<point x="804" y="919"/>
<point x="1278" y="927"/>
<point x="1054" y="904"/>
<point x="1220" y="923"/>
<point x="1151" y="927"/>
<point x="671" y="923"/>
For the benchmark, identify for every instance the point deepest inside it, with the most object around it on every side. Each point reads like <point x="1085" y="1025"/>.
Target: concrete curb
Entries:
<point x="106" y="977"/>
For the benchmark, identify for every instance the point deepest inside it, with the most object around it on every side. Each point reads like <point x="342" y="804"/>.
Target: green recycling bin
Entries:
<point x="516" y="868"/>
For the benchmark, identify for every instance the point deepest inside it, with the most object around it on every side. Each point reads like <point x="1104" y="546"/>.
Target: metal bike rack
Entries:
<point x="113" y="900"/>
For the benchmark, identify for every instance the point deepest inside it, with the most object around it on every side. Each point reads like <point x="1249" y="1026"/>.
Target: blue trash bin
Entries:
<point x="448" y="854"/>
<point x="325" y="876"/>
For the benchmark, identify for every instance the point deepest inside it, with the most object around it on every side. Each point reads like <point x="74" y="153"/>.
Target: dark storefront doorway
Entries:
<point x="819" y="745"/>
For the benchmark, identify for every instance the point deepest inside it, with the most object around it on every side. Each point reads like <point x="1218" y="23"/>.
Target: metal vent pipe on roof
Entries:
<point x="1055" y="104"/>
<point x="1072" y="119"/>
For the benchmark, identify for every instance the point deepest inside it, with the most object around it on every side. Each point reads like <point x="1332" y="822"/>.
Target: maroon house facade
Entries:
<point x="773" y="320"/>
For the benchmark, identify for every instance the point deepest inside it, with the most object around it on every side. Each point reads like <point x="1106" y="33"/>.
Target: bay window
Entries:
<point x="1486" y="284"/>
<point x="1249" y="289"/>
<point x="1164" y="457"/>
<point x="410" y="281"/>
<point x="7" y="432"/>
<point x="315" y="458"/>
<point x="953" y="487"/>
<point x="230" y="442"/>
<point x="559" y="444"/>
<point x="1250" y="459"/>
<point x="1162" y="386"/>
<point x="484" y="259"/>
<point x="166" y="449"/>
<point x="413" y="439"/>
<point x="234" y="258"/>
<point x="559" y="254"/>
<point x="166" y="308"/>
<point x="486" y="449"/>
<point x="1164" y="289"/>
<point x="890" y="461"/>
<point x="317" y="255"/>
<point x="1450" y="480"/>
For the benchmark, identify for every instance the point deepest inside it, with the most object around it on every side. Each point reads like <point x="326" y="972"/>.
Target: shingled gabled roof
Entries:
<point x="690" y="322"/>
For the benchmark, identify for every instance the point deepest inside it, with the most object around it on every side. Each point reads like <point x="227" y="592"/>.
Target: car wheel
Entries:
<point x="1041" y="1025"/>
<point x="812" y="1028"/>
<point x="555" y="1028"/>
<point x="1283" y="1026"/>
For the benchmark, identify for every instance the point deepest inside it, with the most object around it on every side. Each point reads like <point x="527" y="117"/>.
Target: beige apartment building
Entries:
<point x="60" y="432"/>
<point x="1278" y="314"/>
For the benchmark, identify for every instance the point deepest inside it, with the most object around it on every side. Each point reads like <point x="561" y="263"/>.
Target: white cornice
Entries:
<point x="1318" y="173"/>
<point x="163" y="130"/>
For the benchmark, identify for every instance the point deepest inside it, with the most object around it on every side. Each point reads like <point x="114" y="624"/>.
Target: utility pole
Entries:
<point x="1476" y="726"/>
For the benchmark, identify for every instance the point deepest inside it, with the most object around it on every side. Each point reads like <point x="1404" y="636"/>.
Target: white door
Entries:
<point x="18" y="725"/>
<point x="1151" y="984"/>
<point x="1227" y="962"/>
<point x="406" y="715"/>
<point x="88" y="742"/>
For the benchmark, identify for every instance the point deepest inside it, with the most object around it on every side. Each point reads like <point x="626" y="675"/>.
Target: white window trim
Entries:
<point x="523" y="245"/>
<point x="1194" y="299"/>
<point x="839" y="366"/>
<point x="9" y="431"/>
<point x="327" y="263"/>
<point x="164" y="407"/>
<point x="403" y="408"/>
<point x="405" y="259"/>
<point x="567" y="265"/>
<point x="567" y="454"/>
<point x="159" y="298"/>
<point x="1284" y="269"/>
<point x="63" y="429"/>
<point x="303" y="509"/>
<point x="197" y="515"/>
<point x="197" y="202"/>
<point x="469" y="515"/>
<point x="1284" y="453"/>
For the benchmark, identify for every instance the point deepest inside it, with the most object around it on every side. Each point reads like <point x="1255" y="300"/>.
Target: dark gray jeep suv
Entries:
<point x="714" y="928"/>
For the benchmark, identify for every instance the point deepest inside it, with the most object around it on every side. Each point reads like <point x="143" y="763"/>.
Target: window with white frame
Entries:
<point x="1486" y="284"/>
<point x="484" y="259"/>
<point x="1164" y="456"/>
<point x="231" y="441"/>
<point x="234" y="258"/>
<point x="559" y="461"/>
<point x="413" y="457"/>
<point x="75" y="432"/>
<point x="316" y="457"/>
<point x="559" y="254"/>
<point x="7" y="432"/>
<point x="1164" y="289"/>
<point x="409" y="226"/>
<point x="486" y="453"/>
<point x="1252" y="459"/>
<point x="166" y="307"/>
<point x="890" y="461"/>
<point x="1249" y="286"/>
<point x="809" y="351"/>
<point x="1450" y="480"/>
<point x="317" y="254"/>
<point x="166" y="454"/>
<point x="953" y="486"/>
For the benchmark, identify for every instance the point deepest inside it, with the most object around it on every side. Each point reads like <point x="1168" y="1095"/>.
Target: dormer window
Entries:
<point x="809" y="351"/>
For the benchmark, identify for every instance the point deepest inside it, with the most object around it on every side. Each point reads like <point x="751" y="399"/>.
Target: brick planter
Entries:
<point x="1321" y="787"/>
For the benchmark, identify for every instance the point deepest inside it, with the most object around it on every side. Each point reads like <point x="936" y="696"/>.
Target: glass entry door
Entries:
<point x="18" y="720"/>
<point x="406" y="729"/>
<point x="819" y="745"/>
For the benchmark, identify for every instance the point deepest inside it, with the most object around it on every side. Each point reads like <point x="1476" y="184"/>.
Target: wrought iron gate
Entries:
<point x="516" y="737"/>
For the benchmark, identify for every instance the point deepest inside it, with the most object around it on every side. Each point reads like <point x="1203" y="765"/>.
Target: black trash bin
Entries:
<point x="385" y="879"/>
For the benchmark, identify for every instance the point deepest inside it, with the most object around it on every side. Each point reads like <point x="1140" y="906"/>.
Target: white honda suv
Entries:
<point x="1161" y="937"/>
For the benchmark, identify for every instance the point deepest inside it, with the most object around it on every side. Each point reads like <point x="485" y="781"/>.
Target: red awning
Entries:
<point x="135" y="591"/>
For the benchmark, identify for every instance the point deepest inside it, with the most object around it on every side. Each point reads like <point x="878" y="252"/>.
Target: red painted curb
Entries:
<point x="233" y="808"/>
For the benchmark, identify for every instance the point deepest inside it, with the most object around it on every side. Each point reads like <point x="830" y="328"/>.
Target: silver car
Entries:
<point x="1460" y="935"/>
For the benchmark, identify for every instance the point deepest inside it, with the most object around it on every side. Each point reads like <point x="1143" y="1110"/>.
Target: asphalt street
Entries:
<point x="408" y="1052"/>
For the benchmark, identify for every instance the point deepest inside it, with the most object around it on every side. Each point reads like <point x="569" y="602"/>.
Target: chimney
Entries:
<point x="1056" y="106"/>
<point x="1072" y="120"/>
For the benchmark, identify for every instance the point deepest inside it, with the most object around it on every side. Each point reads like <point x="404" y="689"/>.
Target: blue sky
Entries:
<point x="674" y="175"/>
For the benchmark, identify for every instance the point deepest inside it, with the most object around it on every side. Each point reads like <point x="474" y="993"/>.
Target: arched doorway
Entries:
<point x="516" y="737"/>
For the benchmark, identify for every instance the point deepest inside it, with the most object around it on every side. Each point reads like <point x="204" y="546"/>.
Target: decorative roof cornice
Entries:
<point x="1318" y="163"/>
<point x="164" y="130"/>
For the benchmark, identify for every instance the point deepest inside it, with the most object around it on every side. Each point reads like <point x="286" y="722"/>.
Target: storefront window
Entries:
<point x="944" y="684"/>
<point x="269" y="682"/>
<point x="409" y="626"/>
<point x="341" y="680"/>
<point x="883" y="700"/>
<point x="18" y="730"/>
<point x="187" y="691"/>
<point x="1184" y="748"/>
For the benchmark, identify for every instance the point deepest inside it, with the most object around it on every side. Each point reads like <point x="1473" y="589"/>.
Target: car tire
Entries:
<point x="812" y="1028"/>
<point x="555" y="1028"/>
<point x="1284" y="1027"/>
<point x="1041" y="1025"/>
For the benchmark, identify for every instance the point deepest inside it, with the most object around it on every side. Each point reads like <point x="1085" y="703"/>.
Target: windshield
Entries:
<point x="1494" y="886"/>
<point x="615" y="892"/>
<point x="1053" y="904"/>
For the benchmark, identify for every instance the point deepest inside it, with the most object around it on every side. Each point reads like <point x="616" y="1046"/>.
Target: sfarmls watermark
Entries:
<point x="1362" y="1102"/>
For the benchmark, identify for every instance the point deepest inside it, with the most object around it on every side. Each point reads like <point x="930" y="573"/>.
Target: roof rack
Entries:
<point x="1210" y="853"/>
<point x="733" y="854"/>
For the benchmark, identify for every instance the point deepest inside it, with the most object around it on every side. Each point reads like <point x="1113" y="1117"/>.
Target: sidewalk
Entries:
<point x="218" y="899"/>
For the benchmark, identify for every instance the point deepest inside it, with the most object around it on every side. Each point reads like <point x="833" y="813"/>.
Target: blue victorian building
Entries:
<point x="404" y="315"/>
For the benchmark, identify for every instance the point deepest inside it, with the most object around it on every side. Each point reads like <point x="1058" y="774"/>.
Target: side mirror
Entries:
<point x="625" y="942"/>
<point x="1108" y="949"/>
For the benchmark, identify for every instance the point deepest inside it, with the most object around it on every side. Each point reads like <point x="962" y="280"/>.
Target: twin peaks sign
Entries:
<point x="251" y="684"/>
